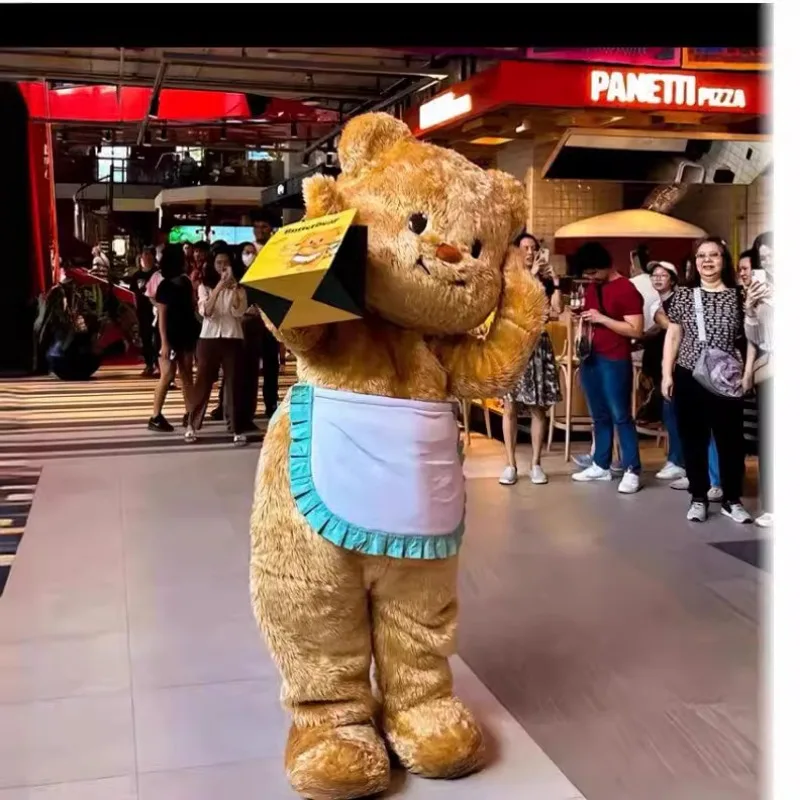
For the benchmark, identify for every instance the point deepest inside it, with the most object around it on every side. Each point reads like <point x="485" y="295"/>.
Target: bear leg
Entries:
<point x="414" y="610"/>
<point x="311" y="603"/>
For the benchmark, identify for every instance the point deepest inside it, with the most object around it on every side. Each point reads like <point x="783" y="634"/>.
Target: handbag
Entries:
<point x="717" y="371"/>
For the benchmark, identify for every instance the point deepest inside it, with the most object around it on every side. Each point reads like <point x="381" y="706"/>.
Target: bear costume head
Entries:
<point x="438" y="225"/>
<point x="360" y="494"/>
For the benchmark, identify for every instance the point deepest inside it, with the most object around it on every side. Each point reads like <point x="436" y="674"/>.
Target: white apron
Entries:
<point x="377" y="475"/>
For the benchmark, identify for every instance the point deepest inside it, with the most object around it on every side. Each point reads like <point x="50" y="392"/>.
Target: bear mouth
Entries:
<point x="460" y="282"/>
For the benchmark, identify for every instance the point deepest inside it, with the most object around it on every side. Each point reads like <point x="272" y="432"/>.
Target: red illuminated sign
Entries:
<point x="548" y="85"/>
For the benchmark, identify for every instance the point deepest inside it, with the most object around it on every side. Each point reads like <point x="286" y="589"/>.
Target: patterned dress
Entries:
<point x="539" y="384"/>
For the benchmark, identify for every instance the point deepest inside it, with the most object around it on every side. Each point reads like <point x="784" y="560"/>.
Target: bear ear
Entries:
<point x="322" y="197"/>
<point x="367" y="137"/>
<point x="510" y="195"/>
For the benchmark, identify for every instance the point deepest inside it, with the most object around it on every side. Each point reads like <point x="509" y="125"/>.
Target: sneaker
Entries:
<point x="715" y="494"/>
<point x="737" y="512"/>
<point x="682" y="484"/>
<point x="583" y="461"/>
<point x="765" y="520"/>
<point x="190" y="436"/>
<point x="592" y="473"/>
<point x="240" y="440"/>
<point x="538" y="476"/>
<point x="160" y="424"/>
<point x="698" y="512"/>
<point x="670" y="472"/>
<point x="509" y="477"/>
<point x="630" y="483"/>
<point x="616" y="469"/>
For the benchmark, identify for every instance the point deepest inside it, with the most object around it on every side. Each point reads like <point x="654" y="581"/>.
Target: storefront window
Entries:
<point x="112" y="163"/>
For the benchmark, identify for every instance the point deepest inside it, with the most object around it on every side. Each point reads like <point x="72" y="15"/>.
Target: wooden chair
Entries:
<point x="572" y="413"/>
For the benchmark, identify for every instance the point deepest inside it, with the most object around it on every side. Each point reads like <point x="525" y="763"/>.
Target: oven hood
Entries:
<point x="634" y="156"/>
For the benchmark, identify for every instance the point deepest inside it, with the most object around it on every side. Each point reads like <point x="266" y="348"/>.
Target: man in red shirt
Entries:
<point x="614" y="308"/>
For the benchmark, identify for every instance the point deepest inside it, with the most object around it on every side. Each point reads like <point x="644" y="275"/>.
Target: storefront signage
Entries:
<point x="669" y="89"/>
<point x="443" y="109"/>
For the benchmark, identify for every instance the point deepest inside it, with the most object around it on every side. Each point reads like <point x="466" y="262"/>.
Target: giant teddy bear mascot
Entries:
<point x="359" y="504"/>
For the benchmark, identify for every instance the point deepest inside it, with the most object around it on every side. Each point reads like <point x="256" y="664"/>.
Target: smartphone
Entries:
<point x="759" y="276"/>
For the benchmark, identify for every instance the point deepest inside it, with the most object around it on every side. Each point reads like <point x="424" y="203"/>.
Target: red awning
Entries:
<point x="130" y="104"/>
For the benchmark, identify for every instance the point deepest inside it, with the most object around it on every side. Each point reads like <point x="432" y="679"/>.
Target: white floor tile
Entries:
<point x="42" y="669"/>
<point x="193" y="726"/>
<point x="209" y="652"/>
<point x="248" y="780"/>
<point x="57" y="741"/>
<point x="123" y="788"/>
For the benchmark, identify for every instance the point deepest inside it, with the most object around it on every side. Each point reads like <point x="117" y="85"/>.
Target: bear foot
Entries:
<point x="337" y="763"/>
<point x="438" y="739"/>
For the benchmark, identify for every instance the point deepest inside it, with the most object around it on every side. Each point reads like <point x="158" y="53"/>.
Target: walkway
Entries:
<point x="602" y="638"/>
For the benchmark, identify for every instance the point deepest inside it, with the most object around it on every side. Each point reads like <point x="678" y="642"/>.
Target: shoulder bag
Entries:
<point x="717" y="371"/>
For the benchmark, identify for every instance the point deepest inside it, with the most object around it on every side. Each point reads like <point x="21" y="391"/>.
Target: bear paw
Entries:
<point x="337" y="763"/>
<point x="437" y="739"/>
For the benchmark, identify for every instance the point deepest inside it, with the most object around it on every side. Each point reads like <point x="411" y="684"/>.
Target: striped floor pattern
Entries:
<point x="17" y="487"/>
<point x="43" y="418"/>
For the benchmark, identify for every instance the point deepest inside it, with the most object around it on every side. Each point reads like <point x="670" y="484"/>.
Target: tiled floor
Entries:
<point x="600" y="630"/>
<point x="130" y="665"/>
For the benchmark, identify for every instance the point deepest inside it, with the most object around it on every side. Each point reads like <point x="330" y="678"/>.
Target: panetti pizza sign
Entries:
<point x="674" y="89"/>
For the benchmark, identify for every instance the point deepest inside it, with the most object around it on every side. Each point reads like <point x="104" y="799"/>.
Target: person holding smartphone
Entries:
<point x="222" y="303"/>
<point x="538" y="388"/>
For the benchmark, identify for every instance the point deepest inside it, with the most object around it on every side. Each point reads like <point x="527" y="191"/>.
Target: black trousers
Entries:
<point x="147" y="333"/>
<point x="764" y="394"/>
<point x="270" y="359"/>
<point x="701" y="413"/>
<point x="261" y="348"/>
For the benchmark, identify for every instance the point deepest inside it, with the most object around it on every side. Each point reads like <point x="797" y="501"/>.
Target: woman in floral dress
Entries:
<point x="538" y="389"/>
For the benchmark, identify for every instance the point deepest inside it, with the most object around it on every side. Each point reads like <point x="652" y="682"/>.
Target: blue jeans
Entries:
<point x="675" y="454"/>
<point x="607" y="384"/>
<point x="713" y="463"/>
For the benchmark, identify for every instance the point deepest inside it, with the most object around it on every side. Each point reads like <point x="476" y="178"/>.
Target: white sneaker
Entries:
<point x="715" y="494"/>
<point x="630" y="483"/>
<point x="190" y="435"/>
<point x="737" y="512"/>
<point x="682" y="484"/>
<point x="670" y="472"/>
<point x="697" y="512"/>
<point x="765" y="520"/>
<point x="538" y="476"/>
<point x="592" y="473"/>
<point x="240" y="440"/>
<point x="509" y="477"/>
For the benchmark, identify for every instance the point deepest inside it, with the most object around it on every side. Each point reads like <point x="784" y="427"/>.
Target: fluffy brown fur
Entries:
<point x="328" y="613"/>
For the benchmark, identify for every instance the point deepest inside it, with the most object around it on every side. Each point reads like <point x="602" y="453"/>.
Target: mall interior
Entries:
<point x="611" y="649"/>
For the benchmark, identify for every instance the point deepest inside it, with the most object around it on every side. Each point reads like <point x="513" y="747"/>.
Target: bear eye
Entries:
<point x="477" y="247"/>
<point x="418" y="222"/>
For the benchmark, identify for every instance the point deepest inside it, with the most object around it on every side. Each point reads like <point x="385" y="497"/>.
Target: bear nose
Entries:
<point x="448" y="253"/>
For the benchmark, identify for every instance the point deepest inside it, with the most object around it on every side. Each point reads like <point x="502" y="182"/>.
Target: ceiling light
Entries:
<point x="490" y="140"/>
